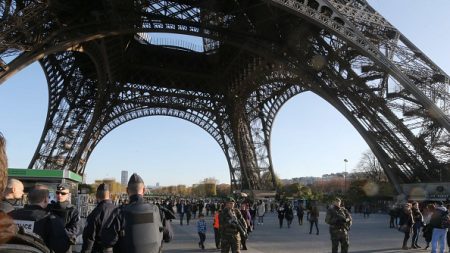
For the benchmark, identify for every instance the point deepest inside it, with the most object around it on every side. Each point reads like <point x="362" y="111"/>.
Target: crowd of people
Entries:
<point x="138" y="225"/>
<point x="141" y="224"/>
<point x="430" y="218"/>
<point x="233" y="221"/>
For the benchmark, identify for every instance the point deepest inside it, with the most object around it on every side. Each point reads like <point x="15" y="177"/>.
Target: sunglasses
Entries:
<point x="62" y="193"/>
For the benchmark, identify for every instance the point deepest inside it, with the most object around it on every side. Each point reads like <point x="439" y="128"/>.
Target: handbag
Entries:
<point x="404" y="228"/>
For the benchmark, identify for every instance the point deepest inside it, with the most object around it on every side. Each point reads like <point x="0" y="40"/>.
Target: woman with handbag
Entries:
<point x="405" y="224"/>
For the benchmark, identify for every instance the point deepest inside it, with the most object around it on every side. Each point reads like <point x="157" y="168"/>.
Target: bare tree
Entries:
<point x="371" y="168"/>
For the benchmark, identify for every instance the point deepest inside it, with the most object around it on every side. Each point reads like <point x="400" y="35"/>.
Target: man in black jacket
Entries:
<point x="136" y="227"/>
<point x="68" y="212"/>
<point x="96" y="221"/>
<point x="440" y="223"/>
<point x="34" y="218"/>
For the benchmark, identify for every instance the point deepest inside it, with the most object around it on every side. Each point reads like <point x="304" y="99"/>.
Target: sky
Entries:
<point x="309" y="137"/>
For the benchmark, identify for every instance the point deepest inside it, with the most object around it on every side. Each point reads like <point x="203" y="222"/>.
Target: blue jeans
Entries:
<point x="181" y="218"/>
<point x="416" y="232"/>
<point x="439" y="235"/>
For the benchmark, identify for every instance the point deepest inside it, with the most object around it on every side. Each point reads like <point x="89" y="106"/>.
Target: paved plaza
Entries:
<point x="366" y="236"/>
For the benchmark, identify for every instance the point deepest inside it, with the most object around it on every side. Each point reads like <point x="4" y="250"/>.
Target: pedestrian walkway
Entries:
<point x="371" y="235"/>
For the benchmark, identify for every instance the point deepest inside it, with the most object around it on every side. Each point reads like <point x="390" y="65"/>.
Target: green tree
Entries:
<point x="291" y="190"/>
<point x="355" y="192"/>
<point x="181" y="190"/>
<point x="266" y="179"/>
<point x="306" y="192"/>
<point x="223" y="190"/>
<point x="210" y="189"/>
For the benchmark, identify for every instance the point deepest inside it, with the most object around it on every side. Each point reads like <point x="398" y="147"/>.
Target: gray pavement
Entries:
<point x="366" y="236"/>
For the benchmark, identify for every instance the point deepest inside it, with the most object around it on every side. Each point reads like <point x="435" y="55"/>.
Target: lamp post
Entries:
<point x="345" y="174"/>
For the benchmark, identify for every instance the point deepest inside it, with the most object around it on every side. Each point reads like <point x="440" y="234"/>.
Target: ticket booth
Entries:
<point x="50" y="178"/>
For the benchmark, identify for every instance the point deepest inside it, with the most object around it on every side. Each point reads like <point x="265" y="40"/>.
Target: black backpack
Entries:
<point x="24" y="242"/>
<point x="445" y="220"/>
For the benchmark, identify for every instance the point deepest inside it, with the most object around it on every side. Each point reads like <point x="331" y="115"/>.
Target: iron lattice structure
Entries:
<point x="105" y="67"/>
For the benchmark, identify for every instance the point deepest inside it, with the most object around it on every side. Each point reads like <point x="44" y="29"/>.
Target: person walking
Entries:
<point x="261" y="210"/>
<point x="252" y="211"/>
<point x="289" y="215"/>
<point x="246" y="216"/>
<point x="181" y="210"/>
<point x="439" y="222"/>
<point x="418" y="221"/>
<point x="216" y="226"/>
<point x="96" y="220"/>
<point x="281" y="212"/>
<point x="232" y="225"/>
<point x="313" y="217"/>
<point x="188" y="211"/>
<point x="393" y="213"/>
<point x="201" y="229"/>
<point x="300" y="213"/>
<point x="136" y="227"/>
<point x="405" y="223"/>
<point x="194" y="210"/>
<point x="340" y="221"/>
<point x="428" y="229"/>
<point x="366" y="211"/>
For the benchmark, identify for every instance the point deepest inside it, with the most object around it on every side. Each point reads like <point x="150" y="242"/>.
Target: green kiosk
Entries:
<point x="51" y="178"/>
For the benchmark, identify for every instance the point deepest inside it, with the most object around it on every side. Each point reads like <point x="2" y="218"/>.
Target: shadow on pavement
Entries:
<point x="192" y="250"/>
<point x="392" y="250"/>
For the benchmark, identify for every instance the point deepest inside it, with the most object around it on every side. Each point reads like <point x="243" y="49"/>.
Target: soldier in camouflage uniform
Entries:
<point x="231" y="225"/>
<point x="340" y="221"/>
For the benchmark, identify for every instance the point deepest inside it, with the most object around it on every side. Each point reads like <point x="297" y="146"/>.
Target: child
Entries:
<point x="201" y="229"/>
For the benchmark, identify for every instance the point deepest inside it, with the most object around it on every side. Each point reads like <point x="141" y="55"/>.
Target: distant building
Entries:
<point x="301" y="180"/>
<point x="332" y="176"/>
<point x="124" y="178"/>
<point x="306" y="180"/>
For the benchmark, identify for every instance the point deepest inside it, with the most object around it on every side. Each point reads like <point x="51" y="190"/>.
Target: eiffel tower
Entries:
<point x="105" y="67"/>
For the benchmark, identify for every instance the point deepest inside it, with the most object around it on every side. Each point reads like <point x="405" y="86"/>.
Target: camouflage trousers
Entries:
<point x="233" y="242"/>
<point x="339" y="236"/>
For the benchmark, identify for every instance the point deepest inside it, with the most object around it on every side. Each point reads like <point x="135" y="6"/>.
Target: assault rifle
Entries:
<point x="241" y="227"/>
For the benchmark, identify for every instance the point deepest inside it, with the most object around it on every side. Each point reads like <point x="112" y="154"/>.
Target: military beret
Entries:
<point x="135" y="179"/>
<point x="63" y="186"/>
<point x="103" y="187"/>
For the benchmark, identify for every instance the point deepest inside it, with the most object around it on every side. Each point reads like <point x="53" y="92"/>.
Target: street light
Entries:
<point x="345" y="174"/>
